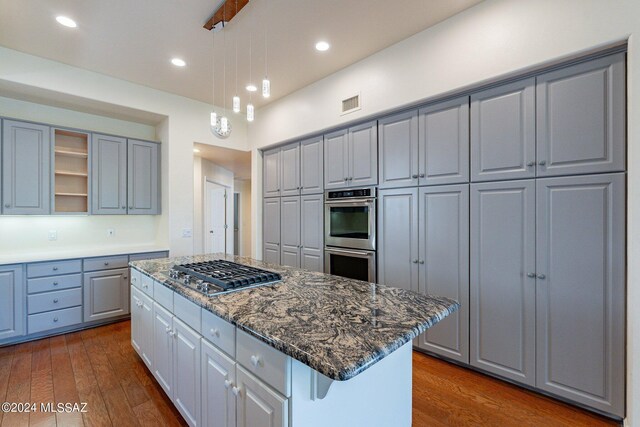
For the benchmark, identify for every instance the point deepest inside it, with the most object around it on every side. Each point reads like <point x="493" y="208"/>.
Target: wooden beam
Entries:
<point x="226" y="12"/>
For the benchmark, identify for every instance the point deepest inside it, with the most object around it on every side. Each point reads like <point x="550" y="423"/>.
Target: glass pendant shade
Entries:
<point x="236" y="104"/>
<point x="214" y="119"/>
<point x="224" y="124"/>
<point x="266" y="88"/>
<point x="250" y="112"/>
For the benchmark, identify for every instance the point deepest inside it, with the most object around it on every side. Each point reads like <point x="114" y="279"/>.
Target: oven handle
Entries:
<point x="332" y="201"/>
<point x="348" y="252"/>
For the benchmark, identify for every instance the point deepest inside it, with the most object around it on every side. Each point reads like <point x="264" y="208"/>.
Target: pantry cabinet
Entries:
<point x="311" y="166"/>
<point x="290" y="170"/>
<point x="312" y="232"/>
<point x="398" y="139"/>
<point x="271" y="172"/>
<point x="109" y="175"/>
<point x="271" y="228"/>
<point x="351" y="157"/>
<point x="26" y="168"/>
<point x="336" y="159"/>
<point x="12" y="302"/>
<point x="290" y="231"/>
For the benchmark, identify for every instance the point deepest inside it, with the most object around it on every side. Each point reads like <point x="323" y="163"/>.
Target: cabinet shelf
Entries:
<point x="72" y="194"/>
<point x="70" y="173"/>
<point x="71" y="153"/>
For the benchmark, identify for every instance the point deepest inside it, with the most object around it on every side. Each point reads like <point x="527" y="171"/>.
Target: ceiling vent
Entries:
<point x="350" y="104"/>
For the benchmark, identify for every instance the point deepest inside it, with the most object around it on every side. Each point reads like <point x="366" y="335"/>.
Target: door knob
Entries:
<point x="215" y="332"/>
<point x="55" y="283"/>
<point x="130" y="208"/>
<point x="255" y="360"/>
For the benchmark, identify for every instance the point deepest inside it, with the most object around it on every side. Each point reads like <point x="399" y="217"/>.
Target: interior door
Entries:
<point x="217" y="233"/>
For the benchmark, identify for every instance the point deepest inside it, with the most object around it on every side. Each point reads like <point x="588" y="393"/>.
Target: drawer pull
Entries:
<point x="106" y="263"/>
<point x="55" y="283"/>
<point x="227" y="384"/>
<point x="236" y="392"/>
<point x="139" y="303"/>
<point x="55" y="301"/>
<point x="256" y="361"/>
<point x="134" y="279"/>
<point x="215" y="332"/>
<point x="145" y="286"/>
<point x="55" y="320"/>
<point x="55" y="268"/>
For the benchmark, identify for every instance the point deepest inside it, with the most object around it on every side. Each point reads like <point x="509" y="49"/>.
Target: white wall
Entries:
<point x="492" y="39"/>
<point x="187" y="122"/>
<point x="243" y="187"/>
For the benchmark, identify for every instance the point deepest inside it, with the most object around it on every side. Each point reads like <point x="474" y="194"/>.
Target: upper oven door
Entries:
<point x="350" y="223"/>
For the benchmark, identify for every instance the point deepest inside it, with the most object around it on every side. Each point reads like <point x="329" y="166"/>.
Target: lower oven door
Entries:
<point x="354" y="264"/>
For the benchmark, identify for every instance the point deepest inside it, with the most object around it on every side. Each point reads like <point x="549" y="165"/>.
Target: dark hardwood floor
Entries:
<point x="99" y="367"/>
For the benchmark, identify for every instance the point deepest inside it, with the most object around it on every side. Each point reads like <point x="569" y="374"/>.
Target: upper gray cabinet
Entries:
<point x="271" y="173"/>
<point x="351" y="157"/>
<point x="502" y="285"/>
<point x="336" y="160"/>
<point x="271" y="230"/>
<point x="290" y="170"/>
<point x="398" y="163"/>
<point x="26" y="169"/>
<point x="311" y="166"/>
<point x="109" y="175"/>
<point x="143" y="163"/>
<point x="444" y="142"/>
<point x="503" y="132"/>
<point x="581" y="118"/>
<point x="580" y="317"/>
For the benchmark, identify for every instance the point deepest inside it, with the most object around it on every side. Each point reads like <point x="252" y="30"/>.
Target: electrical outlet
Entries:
<point x="53" y="235"/>
<point x="111" y="232"/>
<point x="186" y="232"/>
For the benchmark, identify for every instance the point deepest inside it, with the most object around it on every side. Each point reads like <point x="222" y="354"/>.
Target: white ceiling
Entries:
<point x="135" y="39"/>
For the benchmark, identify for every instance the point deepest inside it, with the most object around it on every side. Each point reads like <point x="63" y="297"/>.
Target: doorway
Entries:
<point x="215" y="233"/>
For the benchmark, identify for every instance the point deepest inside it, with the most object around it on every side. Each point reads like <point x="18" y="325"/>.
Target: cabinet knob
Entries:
<point x="7" y="205"/>
<point x="421" y="261"/>
<point x="215" y="332"/>
<point x="414" y="176"/>
<point x="541" y="276"/>
<point x="55" y="300"/>
<point x="422" y="175"/>
<point x="124" y="207"/>
<point x="531" y="164"/>
<point x="542" y="162"/>
<point x="227" y="384"/>
<point x="168" y="329"/>
<point x="255" y="360"/>
<point x="55" y="283"/>
<point x="106" y="263"/>
<point x="346" y="178"/>
<point x="55" y="268"/>
<point x="531" y="275"/>
<point x="350" y="178"/>
<point x="55" y="320"/>
<point x="236" y="391"/>
<point x="130" y="208"/>
<point x="415" y="261"/>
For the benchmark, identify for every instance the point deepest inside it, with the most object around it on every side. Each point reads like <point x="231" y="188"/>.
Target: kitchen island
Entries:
<point x="312" y="349"/>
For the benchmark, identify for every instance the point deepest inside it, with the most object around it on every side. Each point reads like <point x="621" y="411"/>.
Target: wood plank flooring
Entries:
<point x="99" y="367"/>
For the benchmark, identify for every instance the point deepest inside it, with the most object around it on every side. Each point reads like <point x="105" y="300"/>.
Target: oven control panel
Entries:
<point x="348" y="194"/>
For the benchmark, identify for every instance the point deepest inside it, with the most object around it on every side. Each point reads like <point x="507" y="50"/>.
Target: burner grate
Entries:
<point x="228" y="275"/>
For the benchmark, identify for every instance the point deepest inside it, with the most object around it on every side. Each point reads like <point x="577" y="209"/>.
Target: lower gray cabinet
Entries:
<point x="12" y="302"/>
<point x="290" y="231"/>
<point x="271" y="230"/>
<point x="444" y="265"/>
<point x="580" y="266"/>
<point x="106" y="294"/>
<point x="502" y="297"/>
<point x="312" y="232"/>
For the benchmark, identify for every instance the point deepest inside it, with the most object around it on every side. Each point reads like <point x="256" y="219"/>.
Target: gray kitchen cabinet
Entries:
<point x="336" y="160"/>
<point x="26" y="166"/>
<point x="143" y="179"/>
<point x="290" y="170"/>
<point x="311" y="166"/>
<point x="444" y="142"/>
<point x="312" y="232"/>
<point x="503" y="132"/>
<point x="271" y="172"/>
<point x="271" y="230"/>
<point x="109" y="175"/>
<point x="106" y="294"/>
<point x="443" y="227"/>
<point x="290" y="231"/>
<point x="398" y="238"/>
<point x="580" y="266"/>
<point x="398" y="139"/>
<point x="12" y="302"/>
<point x="363" y="155"/>
<point x="502" y="291"/>
<point x="581" y="118"/>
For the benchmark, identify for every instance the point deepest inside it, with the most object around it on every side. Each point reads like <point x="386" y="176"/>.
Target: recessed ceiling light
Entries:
<point x="67" y="22"/>
<point x="178" y="62"/>
<point x="252" y="88"/>
<point x="195" y="150"/>
<point x="322" y="46"/>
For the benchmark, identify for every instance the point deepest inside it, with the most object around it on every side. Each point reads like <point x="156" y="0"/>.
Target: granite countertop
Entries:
<point x="337" y="326"/>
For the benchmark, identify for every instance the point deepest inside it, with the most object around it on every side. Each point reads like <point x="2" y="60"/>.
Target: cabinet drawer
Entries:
<point x="148" y="255"/>
<point x="146" y="284"/>
<point x="54" y="300"/>
<point x="219" y="332"/>
<point x="163" y="295"/>
<point x="54" y="283"/>
<point x="54" y="319"/>
<point x="136" y="278"/>
<point x="264" y="361"/>
<point x="187" y="311"/>
<point x="53" y="268"/>
<point x="106" y="263"/>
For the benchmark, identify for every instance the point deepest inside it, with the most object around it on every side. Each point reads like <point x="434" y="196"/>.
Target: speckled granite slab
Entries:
<point x="337" y="326"/>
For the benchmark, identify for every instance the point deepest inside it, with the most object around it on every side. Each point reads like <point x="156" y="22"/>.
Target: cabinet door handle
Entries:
<point x="531" y="164"/>
<point x="421" y="261"/>
<point x="346" y="178"/>
<point x="215" y="332"/>
<point x="55" y="268"/>
<point x="55" y="283"/>
<point x="236" y="392"/>
<point x="130" y="208"/>
<point x="414" y="176"/>
<point x="7" y="205"/>
<point x="227" y="384"/>
<point x="255" y="360"/>
<point x="542" y="162"/>
<point x="531" y="275"/>
<point x="55" y="300"/>
<point x="541" y="276"/>
<point x="124" y="207"/>
<point x="415" y="261"/>
<point x="422" y="175"/>
<point x="55" y="320"/>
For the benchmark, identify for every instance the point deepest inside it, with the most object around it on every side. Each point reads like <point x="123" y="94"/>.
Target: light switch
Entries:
<point x="53" y="235"/>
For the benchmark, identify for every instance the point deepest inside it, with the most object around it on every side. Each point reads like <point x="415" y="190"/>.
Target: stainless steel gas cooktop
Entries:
<point x="220" y="276"/>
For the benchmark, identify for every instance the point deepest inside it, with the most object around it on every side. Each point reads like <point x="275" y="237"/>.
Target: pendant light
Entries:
<point x="236" y="98"/>
<point x="250" y="110"/>
<point x="266" y="84"/>
<point x="213" y="120"/>
<point x="224" y="121"/>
